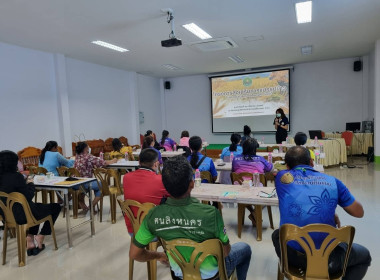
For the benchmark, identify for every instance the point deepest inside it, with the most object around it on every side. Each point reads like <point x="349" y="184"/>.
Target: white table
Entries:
<point x="53" y="185"/>
<point x="163" y="154"/>
<point x="237" y="194"/>
<point x="124" y="164"/>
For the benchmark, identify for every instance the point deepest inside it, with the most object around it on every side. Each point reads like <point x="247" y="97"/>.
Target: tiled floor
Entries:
<point x="105" y="256"/>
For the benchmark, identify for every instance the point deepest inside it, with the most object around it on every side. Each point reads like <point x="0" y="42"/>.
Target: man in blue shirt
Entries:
<point x="308" y="197"/>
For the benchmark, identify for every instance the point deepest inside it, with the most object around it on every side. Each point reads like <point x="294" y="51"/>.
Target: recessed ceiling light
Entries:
<point x="306" y="50"/>
<point x="197" y="31"/>
<point x="303" y="11"/>
<point x="171" y="67"/>
<point x="110" y="46"/>
<point x="236" y="58"/>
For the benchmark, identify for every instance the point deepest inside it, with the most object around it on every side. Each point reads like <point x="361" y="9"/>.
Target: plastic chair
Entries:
<point x="34" y="170"/>
<point x="142" y="211"/>
<point x="239" y="177"/>
<point x="111" y="186"/>
<point x="206" y="176"/>
<point x="317" y="259"/>
<point x="191" y="269"/>
<point x="10" y="223"/>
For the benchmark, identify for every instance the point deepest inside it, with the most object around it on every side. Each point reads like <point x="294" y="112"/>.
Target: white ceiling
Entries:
<point x="340" y="28"/>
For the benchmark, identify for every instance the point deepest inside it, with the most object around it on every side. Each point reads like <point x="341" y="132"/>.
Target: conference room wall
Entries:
<point x="371" y="85"/>
<point x="28" y="101"/>
<point x="324" y="95"/>
<point x="149" y="99"/>
<point x="101" y="101"/>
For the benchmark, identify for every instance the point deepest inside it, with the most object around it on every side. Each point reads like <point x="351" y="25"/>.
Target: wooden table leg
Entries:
<point x="259" y="221"/>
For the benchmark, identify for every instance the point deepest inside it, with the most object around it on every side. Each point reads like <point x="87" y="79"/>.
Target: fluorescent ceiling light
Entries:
<point x="303" y="11"/>
<point x="197" y="31"/>
<point x="110" y="46"/>
<point x="236" y="58"/>
<point x="171" y="67"/>
<point x="306" y="50"/>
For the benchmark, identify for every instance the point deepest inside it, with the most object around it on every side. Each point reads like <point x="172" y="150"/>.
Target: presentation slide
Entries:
<point x="249" y="99"/>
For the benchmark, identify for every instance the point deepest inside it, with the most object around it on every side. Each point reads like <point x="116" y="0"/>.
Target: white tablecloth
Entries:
<point x="360" y="142"/>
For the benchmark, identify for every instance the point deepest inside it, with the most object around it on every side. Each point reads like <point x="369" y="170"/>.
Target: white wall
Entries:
<point x="99" y="100"/>
<point x="324" y="95"/>
<point x="28" y="103"/>
<point x="371" y="85"/>
<point x="149" y="99"/>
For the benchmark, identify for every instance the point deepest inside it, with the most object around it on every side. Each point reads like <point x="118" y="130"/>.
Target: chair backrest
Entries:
<point x="29" y="156"/>
<point x="348" y="136"/>
<point x="142" y="210"/>
<point x="317" y="259"/>
<point x="72" y="172"/>
<point x="62" y="171"/>
<point x="96" y="146"/>
<point x="141" y="139"/>
<point x="191" y="268"/>
<point x="108" y="145"/>
<point x="239" y="177"/>
<point x="109" y="178"/>
<point x="271" y="148"/>
<point x="206" y="175"/>
<point x="37" y="170"/>
<point x="124" y="140"/>
<point x="12" y="199"/>
<point x="274" y="159"/>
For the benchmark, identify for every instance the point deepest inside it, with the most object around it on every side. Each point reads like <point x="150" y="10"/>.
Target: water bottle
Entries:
<point x="256" y="179"/>
<point x="126" y="157"/>
<point x="280" y="148"/>
<point x="321" y="148"/>
<point x="316" y="158"/>
<point x="101" y="155"/>
<point x="315" y="140"/>
<point x="197" y="178"/>
<point x="270" y="157"/>
<point x="287" y="140"/>
<point x="262" y="139"/>
<point x="231" y="156"/>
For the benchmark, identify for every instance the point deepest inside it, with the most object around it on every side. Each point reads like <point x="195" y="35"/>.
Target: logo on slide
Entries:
<point x="247" y="82"/>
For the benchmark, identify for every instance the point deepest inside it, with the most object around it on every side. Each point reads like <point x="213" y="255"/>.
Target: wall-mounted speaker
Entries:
<point x="167" y="85"/>
<point x="357" y="66"/>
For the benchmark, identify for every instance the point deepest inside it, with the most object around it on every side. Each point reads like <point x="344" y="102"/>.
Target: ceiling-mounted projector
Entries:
<point x="172" y="41"/>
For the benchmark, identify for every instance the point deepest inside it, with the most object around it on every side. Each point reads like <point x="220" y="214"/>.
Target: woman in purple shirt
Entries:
<point x="166" y="142"/>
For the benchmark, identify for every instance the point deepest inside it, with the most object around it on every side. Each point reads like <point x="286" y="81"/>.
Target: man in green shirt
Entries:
<point x="185" y="217"/>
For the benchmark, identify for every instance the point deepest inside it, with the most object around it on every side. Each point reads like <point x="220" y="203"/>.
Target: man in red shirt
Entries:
<point x="144" y="185"/>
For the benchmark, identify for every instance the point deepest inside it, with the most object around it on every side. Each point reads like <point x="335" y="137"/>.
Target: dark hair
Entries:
<point x="247" y="130"/>
<point x="148" y="157"/>
<point x="116" y="144"/>
<point x="147" y="141"/>
<point x="165" y="134"/>
<point x="185" y="133"/>
<point x="8" y="162"/>
<point x="281" y="112"/>
<point x="297" y="155"/>
<point x="235" y="139"/>
<point x="177" y="175"/>
<point x="195" y="143"/>
<point x="249" y="148"/>
<point x="148" y="132"/>
<point x="80" y="147"/>
<point x="300" y="138"/>
<point x="49" y="145"/>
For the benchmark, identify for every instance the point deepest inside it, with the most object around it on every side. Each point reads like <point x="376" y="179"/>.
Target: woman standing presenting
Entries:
<point x="281" y="124"/>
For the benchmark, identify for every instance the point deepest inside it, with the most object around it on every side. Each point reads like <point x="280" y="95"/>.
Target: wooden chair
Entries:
<point x="108" y="145"/>
<point x="29" y="156"/>
<point x="142" y="211"/>
<point x="10" y="223"/>
<point x="239" y="177"/>
<point x="96" y="146"/>
<point x="111" y="186"/>
<point x="271" y="148"/>
<point x="317" y="259"/>
<point x="34" y="170"/>
<point x="124" y="140"/>
<point x="191" y="269"/>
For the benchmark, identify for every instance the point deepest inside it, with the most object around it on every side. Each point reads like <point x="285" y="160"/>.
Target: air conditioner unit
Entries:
<point x="214" y="44"/>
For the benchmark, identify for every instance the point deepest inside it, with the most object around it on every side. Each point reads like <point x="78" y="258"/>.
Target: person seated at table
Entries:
<point x="85" y="162"/>
<point x="149" y="143"/>
<point x="13" y="181"/>
<point x="246" y="134"/>
<point x="199" y="161"/>
<point x="50" y="158"/>
<point x="166" y="142"/>
<point x="184" y="141"/>
<point x="234" y="148"/>
<point x="156" y="144"/>
<point x="119" y="149"/>
<point x="248" y="161"/>
<point x="300" y="139"/>
<point x="307" y="196"/>
<point x="144" y="185"/>
<point x="180" y="207"/>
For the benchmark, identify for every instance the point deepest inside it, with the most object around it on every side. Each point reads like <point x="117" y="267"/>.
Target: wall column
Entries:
<point x="377" y="101"/>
